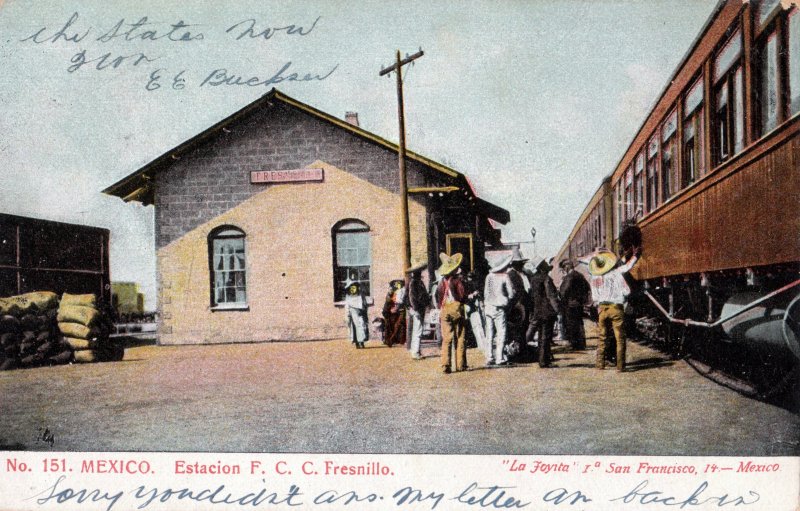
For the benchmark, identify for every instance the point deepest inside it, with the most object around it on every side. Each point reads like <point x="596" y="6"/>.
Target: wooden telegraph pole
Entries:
<point x="397" y="66"/>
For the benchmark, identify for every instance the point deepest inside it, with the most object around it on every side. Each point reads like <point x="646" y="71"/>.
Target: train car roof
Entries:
<point x="678" y="80"/>
<point x="8" y="218"/>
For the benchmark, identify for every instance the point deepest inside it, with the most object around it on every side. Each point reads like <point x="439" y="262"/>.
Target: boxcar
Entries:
<point x="39" y="255"/>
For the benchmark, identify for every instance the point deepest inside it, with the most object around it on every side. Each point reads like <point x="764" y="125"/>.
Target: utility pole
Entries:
<point x="401" y="153"/>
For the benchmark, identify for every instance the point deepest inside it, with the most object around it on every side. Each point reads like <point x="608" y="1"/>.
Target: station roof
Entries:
<point x="135" y="186"/>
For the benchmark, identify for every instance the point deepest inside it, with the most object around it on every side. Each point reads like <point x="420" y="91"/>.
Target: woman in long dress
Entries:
<point x="355" y="306"/>
<point x="394" y="312"/>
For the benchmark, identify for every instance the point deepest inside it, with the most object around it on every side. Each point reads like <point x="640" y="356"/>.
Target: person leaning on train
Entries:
<point x="609" y="291"/>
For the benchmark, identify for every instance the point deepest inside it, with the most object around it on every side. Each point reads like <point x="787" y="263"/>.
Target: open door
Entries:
<point x="461" y="242"/>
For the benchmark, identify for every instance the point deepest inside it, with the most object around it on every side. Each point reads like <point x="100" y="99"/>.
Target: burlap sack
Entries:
<point x="88" y="300"/>
<point x="31" y="360"/>
<point x="78" y="331"/>
<point x="10" y="363"/>
<point x="11" y="306"/>
<point x="9" y="339"/>
<point x="27" y="348"/>
<point x="43" y="300"/>
<point x="62" y="358"/>
<point x="29" y="322"/>
<point x="86" y="316"/>
<point x="28" y="302"/>
<point x="9" y="324"/>
<point x="78" y="344"/>
<point x="46" y="349"/>
<point x="85" y="356"/>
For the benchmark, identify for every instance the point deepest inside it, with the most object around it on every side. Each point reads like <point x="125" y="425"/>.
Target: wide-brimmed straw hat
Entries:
<point x="602" y="262"/>
<point x="449" y="263"/>
<point x="500" y="262"/>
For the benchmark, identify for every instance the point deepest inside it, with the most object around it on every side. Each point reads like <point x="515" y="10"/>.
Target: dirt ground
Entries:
<point x="329" y="397"/>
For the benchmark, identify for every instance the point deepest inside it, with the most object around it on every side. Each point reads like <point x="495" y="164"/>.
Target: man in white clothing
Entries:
<point x="499" y="294"/>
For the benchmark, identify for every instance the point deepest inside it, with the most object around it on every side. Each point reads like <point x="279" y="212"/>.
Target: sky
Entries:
<point x="535" y="101"/>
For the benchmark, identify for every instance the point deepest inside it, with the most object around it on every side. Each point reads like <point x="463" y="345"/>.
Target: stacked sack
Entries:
<point x="86" y="329"/>
<point x="29" y="335"/>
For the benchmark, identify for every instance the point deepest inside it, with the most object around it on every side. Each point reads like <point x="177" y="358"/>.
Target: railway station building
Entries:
<point x="260" y="219"/>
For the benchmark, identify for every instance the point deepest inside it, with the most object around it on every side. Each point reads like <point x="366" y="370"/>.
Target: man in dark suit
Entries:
<point x="574" y="292"/>
<point x="544" y="297"/>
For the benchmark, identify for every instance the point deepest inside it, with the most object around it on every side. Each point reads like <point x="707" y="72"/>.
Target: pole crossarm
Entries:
<point x="402" y="63"/>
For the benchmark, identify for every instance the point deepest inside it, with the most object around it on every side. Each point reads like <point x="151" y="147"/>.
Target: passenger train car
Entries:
<point x="712" y="182"/>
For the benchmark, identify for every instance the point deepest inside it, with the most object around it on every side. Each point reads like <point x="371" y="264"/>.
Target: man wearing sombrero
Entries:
<point x="609" y="290"/>
<point x="451" y="295"/>
<point x="499" y="295"/>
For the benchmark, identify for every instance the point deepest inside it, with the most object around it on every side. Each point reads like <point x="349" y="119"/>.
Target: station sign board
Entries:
<point x="286" y="176"/>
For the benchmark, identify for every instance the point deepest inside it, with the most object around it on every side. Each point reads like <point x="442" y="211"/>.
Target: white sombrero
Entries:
<point x="501" y="263"/>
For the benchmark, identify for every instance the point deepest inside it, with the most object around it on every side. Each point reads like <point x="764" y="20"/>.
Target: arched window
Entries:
<point x="228" y="269"/>
<point x="352" y="256"/>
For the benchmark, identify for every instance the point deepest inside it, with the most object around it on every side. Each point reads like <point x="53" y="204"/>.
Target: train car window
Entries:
<point x="728" y="56"/>
<point x="766" y="9"/>
<point x="728" y="110"/>
<point x="767" y="84"/>
<point x="652" y="174"/>
<point x="694" y="98"/>
<point x="794" y="61"/>
<point x="737" y="113"/>
<point x="639" y="185"/>
<point x="693" y="166"/>
<point x="667" y="155"/>
<point x="669" y="126"/>
<point x="619" y="213"/>
<point x="598" y="226"/>
<point x="629" y="205"/>
<point x="721" y="119"/>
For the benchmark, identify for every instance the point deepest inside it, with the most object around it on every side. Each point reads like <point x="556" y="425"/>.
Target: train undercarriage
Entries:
<point x="740" y="328"/>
